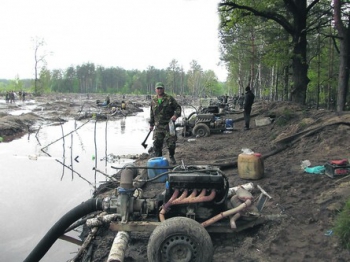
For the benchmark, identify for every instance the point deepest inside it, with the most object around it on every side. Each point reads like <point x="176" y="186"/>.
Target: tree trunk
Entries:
<point x="343" y="73"/>
<point x="318" y="70"/>
<point x="344" y="35"/>
<point x="273" y="85"/>
<point x="286" y="96"/>
<point x="252" y="60"/>
<point x="330" y="95"/>
<point x="299" y="64"/>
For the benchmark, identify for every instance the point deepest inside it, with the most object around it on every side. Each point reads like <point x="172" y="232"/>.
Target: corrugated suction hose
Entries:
<point x="61" y="225"/>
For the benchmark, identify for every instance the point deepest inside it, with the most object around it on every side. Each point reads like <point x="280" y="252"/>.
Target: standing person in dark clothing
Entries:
<point x="107" y="101"/>
<point x="163" y="109"/>
<point x="248" y="102"/>
<point x="7" y="97"/>
<point x="235" y="99"/>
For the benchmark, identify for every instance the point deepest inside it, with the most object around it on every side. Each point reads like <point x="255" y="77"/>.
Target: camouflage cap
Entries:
<point x="159" y="85"/>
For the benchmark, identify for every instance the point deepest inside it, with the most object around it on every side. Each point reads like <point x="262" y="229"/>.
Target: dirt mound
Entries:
<point x="310" y="202"/>
<point x="15" y="126"/>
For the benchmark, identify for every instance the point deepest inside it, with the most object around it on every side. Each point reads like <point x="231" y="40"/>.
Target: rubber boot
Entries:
<point x="171" y="156"/>
<point x="158" y="153"/>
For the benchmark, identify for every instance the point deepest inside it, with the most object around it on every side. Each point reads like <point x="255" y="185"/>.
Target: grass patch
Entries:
<point x="286" y="116"/>
<point x="302" y="125"/>
<point x="273" y="136"/>
<point x="342" y="226"/>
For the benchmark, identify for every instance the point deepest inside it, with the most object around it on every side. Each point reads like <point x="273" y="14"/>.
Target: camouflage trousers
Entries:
<point x="161" y="134"/>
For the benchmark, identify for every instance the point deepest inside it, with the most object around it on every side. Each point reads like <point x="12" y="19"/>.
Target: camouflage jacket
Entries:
<point x="160" y="114"/>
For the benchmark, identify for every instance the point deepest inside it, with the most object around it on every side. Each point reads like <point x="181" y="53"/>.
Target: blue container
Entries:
<point x="229" y="124"/>
<point x="158" y="162"/>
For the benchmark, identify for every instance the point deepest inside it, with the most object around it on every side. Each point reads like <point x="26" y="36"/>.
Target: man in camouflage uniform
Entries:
<point x="163" y="108"/>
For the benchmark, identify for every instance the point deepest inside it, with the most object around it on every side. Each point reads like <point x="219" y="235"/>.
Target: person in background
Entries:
<point x="248" y="102"/>
<point x="7" y="97"/>
<point x="104" y="103"/>
<point x="123" y="106"/>
<point x="113" y="110"/>
<point x="163" y="109"/>
<point x="12" y="97"/>
<point x="225" y="99"/>
<point x="241" y="101"/>
<point x="235" y="99"/>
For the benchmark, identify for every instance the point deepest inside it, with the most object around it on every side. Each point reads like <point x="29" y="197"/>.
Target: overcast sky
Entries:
<point x="131" y="34"/>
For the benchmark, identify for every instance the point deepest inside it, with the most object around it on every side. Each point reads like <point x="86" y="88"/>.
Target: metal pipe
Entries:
<point x="193" y="198"/>
<point x="183" y="195"/>
<point x="126" y="178"/>
<point x="167" y="205"/>
<point x="227" y="213"/>
<point x="233" y="220"/>
<point x="198" y="199"/>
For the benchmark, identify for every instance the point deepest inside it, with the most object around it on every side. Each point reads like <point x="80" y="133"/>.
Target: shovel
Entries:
<point x="144" y="142"/>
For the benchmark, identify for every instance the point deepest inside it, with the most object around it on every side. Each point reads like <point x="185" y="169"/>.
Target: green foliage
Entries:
<point x="45" y="81"/>
<point x="285" y="117"/>
<point x="12" y="85"/>
<point x="261" y="45"/>
<point x="342" y="225"/>
<point x="302" y="125"/>
<point x="323" y="67"/>
<point x="87" y="78"/>
<point x="274" y="136"/>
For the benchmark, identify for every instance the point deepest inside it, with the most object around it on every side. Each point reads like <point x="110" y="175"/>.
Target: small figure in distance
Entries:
<point x="248" y="102"/>
<point x="104" y="103"/>
<point x="123" y="106"/>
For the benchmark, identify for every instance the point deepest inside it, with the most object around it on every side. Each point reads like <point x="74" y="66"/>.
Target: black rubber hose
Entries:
<point x="61" y="225"/>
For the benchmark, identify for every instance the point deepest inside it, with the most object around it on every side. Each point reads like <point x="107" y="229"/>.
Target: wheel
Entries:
<point x="201" y="130"/>
<point x="180" y="239"/>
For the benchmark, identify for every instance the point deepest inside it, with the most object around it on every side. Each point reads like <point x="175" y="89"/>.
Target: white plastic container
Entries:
<point x="172" y="128"/>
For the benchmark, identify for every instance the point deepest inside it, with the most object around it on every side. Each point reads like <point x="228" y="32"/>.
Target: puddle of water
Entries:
<point x="19" y="107"/>
<point x="36" y="190"/>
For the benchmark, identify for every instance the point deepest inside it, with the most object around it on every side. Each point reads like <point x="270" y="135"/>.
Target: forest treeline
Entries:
<point x="295" y="50"/>
<point x="89" y="78"/>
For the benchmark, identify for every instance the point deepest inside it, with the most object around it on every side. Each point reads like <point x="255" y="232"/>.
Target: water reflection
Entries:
<point x="122" y="125"/>
<point x="44" y="175"/>
<point x="51" y="171"/>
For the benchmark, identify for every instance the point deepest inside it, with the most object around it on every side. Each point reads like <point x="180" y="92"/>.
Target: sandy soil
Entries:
<point x="309" y="202"/>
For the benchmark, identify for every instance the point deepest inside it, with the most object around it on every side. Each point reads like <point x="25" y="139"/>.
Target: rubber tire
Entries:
<point x="180" y="239"/>
<point x="201" y="130"/>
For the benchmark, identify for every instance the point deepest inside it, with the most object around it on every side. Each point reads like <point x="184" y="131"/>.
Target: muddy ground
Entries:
<point x="310" y="202"/>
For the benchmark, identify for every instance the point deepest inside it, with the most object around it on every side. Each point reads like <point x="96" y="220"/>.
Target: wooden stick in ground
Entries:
<point x="87" y="240"/>
<point x="86" y="243"/>
<point x="102" y="173"/>
<point x="42" y="149"/>
<point x="74" y="172"/>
